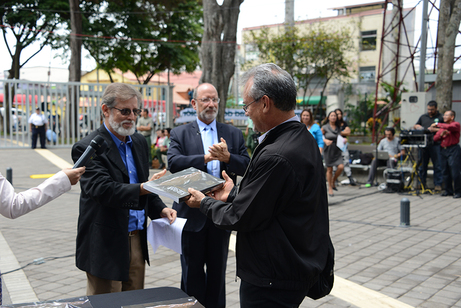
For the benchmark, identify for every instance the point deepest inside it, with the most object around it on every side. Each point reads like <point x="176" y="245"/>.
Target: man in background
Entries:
<point x="163" y="148"/>
<point x="38" y="123"/>
<point x="431" y="151"/>
<point x="144" y="126"/>
<point x="211" y="147"/>
<point x="448" y="133"/>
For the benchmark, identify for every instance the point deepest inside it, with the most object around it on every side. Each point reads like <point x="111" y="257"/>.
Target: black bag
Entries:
<point x="354" y="154"/>
<point x="325" y="282"/>
<point x="366" y="158"/>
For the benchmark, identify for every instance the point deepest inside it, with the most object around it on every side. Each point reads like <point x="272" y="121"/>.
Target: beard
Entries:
<point x="119" y="129"/>
<point x="209" y="114"/>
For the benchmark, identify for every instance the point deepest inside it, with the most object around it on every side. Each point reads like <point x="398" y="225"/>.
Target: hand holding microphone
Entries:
<point x="97" y="145"/>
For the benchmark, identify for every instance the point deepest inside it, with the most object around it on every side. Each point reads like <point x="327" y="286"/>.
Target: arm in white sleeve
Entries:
<point x="13" y="205"/>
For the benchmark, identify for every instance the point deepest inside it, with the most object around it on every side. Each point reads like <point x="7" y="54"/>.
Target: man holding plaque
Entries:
<point x="212" y="147"/>
<point x="280" y="208"/>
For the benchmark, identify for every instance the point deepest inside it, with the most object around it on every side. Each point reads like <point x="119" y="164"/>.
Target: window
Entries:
<point x="368" y="41"/>
<point x="367" y="73"/>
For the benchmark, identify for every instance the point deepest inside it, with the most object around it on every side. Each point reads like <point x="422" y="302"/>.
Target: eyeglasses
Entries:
<point x="127" y="111"/>
<point x="245" y="108"/>
<point x="206" y="100"/>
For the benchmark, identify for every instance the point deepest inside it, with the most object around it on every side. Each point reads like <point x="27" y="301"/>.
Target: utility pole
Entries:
<point x="289" y="13"/>
<point x="422" y="61"/>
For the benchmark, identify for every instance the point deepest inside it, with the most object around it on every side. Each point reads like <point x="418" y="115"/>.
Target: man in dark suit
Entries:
<point x="114" y="206"/>
<point x="212" y="147"/>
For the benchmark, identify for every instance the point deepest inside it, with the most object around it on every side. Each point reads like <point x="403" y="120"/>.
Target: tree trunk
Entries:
<point x="75" y="66"/>
<point x="217" y="53"/>
<point x="449" y="22"/>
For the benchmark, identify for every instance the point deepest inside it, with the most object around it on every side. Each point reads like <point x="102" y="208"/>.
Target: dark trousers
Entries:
<point x="208" y="249"/>
<point x="433" y="153"/>
<point x="38" y="130"/>
<point x="149" y="148"/>
<point x="451" y="168"/>
<point x="252" y="296"/>
<point x="390" y="163"/>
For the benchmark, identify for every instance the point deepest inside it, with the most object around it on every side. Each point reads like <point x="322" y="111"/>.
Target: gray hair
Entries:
<point x="269" y="79"/>
<point x="119" y="92"/>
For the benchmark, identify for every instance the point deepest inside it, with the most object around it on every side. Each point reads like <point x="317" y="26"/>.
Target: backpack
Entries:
<point x="324" y="283"/>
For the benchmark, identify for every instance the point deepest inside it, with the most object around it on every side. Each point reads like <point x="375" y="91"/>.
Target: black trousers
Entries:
<point x="252" y="296"/>
<point x="451" y="168"/>
<point x="38" y="130"/>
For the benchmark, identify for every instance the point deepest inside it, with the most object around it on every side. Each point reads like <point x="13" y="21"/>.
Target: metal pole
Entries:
<point x="405" y="212"/>
<point x="9" y="175"/>
<point x="422" y="61"/>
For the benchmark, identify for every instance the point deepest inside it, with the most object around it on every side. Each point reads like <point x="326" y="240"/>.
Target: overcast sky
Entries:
<point x="252" y="13"/>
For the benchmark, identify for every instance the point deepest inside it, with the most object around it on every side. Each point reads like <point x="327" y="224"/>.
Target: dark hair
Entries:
<point x="342" y="115"/>
<point x="390" y="129"/>
<point x="327" y="119"/>
<point x="168" y="129"/>
<point x="432" y="104"/>
<point x="453" y="113"/>
<point x="311" y="118"/>
<point x="269" y="79"/>
<point x="146" y="110"/>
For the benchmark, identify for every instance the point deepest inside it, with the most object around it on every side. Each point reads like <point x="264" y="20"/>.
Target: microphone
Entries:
<point x="98" y="145"/>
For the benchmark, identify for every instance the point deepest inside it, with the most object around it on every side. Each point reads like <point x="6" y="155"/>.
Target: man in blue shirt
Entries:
<point x="111" y="235"/>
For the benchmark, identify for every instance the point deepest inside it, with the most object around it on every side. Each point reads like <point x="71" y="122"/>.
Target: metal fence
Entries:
<point x="73" y="109"/>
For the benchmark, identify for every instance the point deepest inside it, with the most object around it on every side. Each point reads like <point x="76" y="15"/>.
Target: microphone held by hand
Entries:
<point x="97" y="145"/>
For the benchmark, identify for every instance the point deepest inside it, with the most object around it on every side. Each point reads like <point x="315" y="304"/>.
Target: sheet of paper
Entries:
<point x="160" y="232"/>
<point x="340" y="143"/>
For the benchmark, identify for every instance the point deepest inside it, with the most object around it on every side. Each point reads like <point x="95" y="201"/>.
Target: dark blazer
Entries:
<point x="186" y="150"/>
<point x="105" y="200"/>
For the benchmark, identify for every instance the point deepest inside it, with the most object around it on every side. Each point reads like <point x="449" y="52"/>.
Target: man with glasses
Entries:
<point x="212" y="147"/>
<point x="280" y="208"/>
<point x="114" y="206"/>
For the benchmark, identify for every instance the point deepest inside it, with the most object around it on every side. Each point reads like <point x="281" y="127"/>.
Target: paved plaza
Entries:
<point x="378" y="262"/>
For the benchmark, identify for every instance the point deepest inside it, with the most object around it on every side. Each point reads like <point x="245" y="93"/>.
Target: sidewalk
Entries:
<point x="418" y="266"/>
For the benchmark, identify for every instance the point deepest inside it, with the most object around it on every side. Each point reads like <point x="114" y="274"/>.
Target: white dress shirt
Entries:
<point x="13" y="205"/>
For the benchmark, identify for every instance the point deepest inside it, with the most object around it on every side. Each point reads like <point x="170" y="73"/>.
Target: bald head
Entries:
<point x="205" y="102"/>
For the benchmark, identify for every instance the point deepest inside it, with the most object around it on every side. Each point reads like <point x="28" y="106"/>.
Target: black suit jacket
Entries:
<point x="105" y="200"/>
<point x="186" y="150"/>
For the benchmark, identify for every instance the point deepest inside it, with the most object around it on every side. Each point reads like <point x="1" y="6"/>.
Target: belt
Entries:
<point x="38" y="126"/>
<point x="449" y="146"/>
<point x="133" y="233"/>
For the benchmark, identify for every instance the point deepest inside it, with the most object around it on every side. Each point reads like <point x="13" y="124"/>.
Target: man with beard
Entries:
<point x="211" y="147"/>
<point x="114" y="206"/>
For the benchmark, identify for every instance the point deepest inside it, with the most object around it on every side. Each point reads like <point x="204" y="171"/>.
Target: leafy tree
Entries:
<point x="313" y="58"/>
<point x="144" y="37"/>
<point x="29" y="21"/>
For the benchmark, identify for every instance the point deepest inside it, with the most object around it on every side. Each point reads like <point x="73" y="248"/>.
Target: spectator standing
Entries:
<point x="448" y="133"/>
<point x="332" y="154"/>
<point x="308" y="120"/>
<point x="252" y="141"/>
<point x="431" y="151"/>
<point x="38" y="123"/>
<point x="163" y="148"/>
<point x="211" y="147"/>
<point x="144" y="126"/>
<point x="345" y="132"/>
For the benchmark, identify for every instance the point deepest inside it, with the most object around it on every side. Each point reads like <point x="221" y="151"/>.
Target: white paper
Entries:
<point x="340" y="143"/>
<point x="160" y="232"/>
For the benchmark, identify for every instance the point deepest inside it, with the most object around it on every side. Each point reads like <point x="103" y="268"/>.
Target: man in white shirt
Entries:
<point x="38" y="123"/>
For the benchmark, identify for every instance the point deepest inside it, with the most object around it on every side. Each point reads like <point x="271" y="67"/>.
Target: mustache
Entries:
<point x="127" y="122"/>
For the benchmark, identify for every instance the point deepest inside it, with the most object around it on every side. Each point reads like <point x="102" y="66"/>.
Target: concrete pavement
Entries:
<point x="378" y="263"/>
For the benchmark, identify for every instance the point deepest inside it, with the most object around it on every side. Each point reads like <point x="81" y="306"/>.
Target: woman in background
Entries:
<point x="331" y="153"/>
<point x="308" y="120"/>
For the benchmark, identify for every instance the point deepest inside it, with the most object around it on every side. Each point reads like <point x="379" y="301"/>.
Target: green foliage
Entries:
<point x="144" y="37"/>
<point x="317" y="55"/>
<point x="30" y="21"/>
